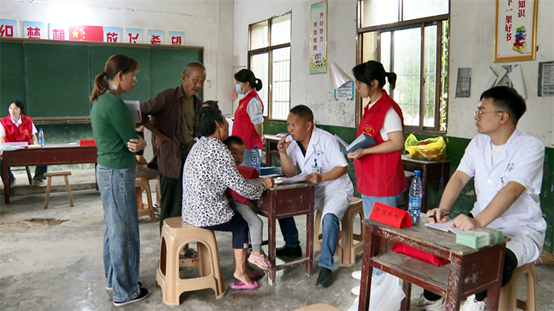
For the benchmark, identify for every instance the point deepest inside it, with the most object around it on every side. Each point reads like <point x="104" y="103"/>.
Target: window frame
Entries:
<point x="420" y="23"/>
<point x="269" y="50"/>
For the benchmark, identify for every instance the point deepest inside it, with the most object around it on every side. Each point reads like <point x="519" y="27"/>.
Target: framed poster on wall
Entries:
<point x="318" y="38"/>
<point x="516" y="30"/>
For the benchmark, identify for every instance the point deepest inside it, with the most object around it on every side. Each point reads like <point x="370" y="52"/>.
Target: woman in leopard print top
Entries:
<point x="209" y="170"/>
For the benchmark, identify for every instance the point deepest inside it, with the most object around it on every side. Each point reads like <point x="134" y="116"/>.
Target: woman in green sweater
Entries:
<point x="117" y="141"/>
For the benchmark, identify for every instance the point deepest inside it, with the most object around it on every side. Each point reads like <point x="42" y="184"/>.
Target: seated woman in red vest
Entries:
<point x="249" y="119"/>
<point x="17" y="127"/>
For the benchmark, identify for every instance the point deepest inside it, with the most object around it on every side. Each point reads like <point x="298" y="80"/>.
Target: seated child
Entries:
<point x="245" y="208"/>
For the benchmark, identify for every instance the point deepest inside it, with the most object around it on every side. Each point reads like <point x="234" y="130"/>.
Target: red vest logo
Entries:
<point x="369" y="130"/>
<point x="26" y="132"/>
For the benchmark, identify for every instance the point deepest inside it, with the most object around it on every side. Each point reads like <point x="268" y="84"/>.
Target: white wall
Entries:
<point x="207" y="24"/>
<point x="472" y="45"/>
<point x="311" y="90"/>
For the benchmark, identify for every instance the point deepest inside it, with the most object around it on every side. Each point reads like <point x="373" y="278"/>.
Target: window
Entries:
<point x="269" y="60"/>
<point x="410" y="38"/>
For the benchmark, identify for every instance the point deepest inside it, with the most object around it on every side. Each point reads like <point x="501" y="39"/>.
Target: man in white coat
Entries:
<point x="318" y="155"/>
<point x="507" y="167"/>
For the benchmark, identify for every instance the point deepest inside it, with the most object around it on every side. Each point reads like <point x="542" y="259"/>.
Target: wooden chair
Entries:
<point x="141" y="184"/>
<point x="49" y="185"/>
<point x="508" y="294"/>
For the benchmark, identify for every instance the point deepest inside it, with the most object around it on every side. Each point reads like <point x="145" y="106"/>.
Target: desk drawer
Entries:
<point x="55" y="157"/>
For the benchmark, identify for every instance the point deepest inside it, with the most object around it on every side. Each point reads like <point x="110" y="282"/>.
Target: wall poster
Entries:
<point x="318" y="38"/>
<point x="516" y="30"/>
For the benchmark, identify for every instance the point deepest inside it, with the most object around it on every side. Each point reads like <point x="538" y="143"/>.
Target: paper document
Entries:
<point x="490" y="80"/>
<point x="134" y="110"/>
<point x="446" y="226"/>
<point x="517" y="79"/>
<point x="292" y="180"/>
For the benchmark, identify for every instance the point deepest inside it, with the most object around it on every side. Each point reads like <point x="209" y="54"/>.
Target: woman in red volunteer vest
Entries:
<point x="249" y="118"/>
<point x="379" y="171"/>
<point x="17" y="127"/>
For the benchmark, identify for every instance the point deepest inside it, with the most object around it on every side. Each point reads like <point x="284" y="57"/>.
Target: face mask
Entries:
<point x="239" y="89"/>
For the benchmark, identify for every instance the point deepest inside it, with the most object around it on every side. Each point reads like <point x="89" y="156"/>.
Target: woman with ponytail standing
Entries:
<point x="249" y="118"/>
<point x="379" y="171"/>
<point x="117" y="142"/>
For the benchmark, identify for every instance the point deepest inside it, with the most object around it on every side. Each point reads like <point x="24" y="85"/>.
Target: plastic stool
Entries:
<point x="49" y="186"/>
<point x="319" y="307"/>
<point x="175" y="235"/>
<point x="144" y="209"/>
<point x="346" y="249"/>
<point x="508" y="293"/>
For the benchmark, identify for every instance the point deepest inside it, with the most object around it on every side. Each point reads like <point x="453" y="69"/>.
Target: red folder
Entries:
<point x="390" y="215"/>
<point x="248" y="172"/>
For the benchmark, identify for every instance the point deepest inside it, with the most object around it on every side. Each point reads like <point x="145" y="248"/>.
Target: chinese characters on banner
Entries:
<point x="8" y="28"/>
<point x="34" y="30"/>
<point x="58" y="32"/>
<point x="112" y="34"/>
<point x="176" y="38"/>
<point x="516" y="27"/>
<point x="133" y="36"/>
<point x="155" y="36"/>
<point x="318" y="38"/>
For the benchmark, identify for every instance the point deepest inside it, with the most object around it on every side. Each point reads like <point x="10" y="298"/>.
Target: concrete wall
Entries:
<point x="472" y="45"/>
<point x="206" y="23"/>
<point x="311" y="90"/>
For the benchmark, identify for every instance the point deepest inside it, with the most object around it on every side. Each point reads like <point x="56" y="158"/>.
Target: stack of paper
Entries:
<point x="361" y="141"/>
<point x="477" y="238"/>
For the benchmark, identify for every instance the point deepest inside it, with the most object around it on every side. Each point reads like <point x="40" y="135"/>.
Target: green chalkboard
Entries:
<point x="56" y="79"/>
<point x="12" y="76"/>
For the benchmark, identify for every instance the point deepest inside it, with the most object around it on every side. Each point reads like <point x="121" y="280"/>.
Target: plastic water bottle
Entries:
<point x="414" y="205"/>
<point x="256" y="160"/>
<point x="40" y="137"/>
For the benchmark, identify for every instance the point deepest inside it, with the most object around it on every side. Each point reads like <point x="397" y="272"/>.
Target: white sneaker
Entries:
<point x="438" y="305"/>
<point x="356" y="290"/>
<point x="473" y="305"/>
<point x="38" y="183"/>
<point x="357" y="275"/>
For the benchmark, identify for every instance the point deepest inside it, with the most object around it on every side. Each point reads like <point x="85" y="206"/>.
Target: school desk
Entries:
<point x="285" y="201"/>
<point x="47" y="155"/>
<point x="470" y="270"/>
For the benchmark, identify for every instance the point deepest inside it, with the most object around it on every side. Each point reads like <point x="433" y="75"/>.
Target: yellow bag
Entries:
<point x="427" y="149"/>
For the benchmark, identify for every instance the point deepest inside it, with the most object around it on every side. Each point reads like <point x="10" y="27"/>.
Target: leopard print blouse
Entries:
<point x="208" y="172"/>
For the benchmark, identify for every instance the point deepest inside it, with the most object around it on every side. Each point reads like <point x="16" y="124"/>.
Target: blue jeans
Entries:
<point x="121" y="238"/>
<point x="330" y="234"/>
<point x="368" y="202"/>
<point x="289" y="231"/>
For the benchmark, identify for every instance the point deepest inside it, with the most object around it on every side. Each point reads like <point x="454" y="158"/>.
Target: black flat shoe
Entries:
<point x="289" y="252"/>
<point x="324" y="278"/>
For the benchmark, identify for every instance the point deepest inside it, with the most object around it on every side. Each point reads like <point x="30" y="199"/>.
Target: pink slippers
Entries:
<point x="256" y="274"/>
<point x="260" y="261"/>
<point x="240" y="285"/>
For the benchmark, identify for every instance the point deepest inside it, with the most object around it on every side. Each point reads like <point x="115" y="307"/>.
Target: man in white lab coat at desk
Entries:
<point x="507" y="167"/>
<point x="318" y="155"/>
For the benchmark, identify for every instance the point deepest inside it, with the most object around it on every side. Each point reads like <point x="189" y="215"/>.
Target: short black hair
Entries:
<point x="506" y="99"/>
<point x="233" y="140"/>
<point x="18" y="103"/>
<point x="190" y="66"/>
<point x="211" y="103"/>
<point x="304" y="112"/>
<point x="204" y="121"/>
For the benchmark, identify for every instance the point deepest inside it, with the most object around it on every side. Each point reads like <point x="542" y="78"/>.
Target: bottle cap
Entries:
<point x="256" y="147"/>
<point x="40" y="129"/>
<point x="417" y="172"/>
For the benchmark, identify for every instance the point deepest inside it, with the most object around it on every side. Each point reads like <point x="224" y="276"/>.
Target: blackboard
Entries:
<point x="56" y="79"/>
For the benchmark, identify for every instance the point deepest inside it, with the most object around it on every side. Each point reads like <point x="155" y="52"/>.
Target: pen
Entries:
<point x="433" y="216"/>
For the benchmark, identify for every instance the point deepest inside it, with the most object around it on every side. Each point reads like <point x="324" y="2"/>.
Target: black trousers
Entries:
<point x="39" y="172"/>
<point x="172" y="197"/>
<point x="238" y="226"/>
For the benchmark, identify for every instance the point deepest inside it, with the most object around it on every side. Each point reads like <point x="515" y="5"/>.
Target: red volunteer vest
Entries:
<point x="20" y="133"/>
<point x="379" y="174"/>
<point x="242" y="125"/>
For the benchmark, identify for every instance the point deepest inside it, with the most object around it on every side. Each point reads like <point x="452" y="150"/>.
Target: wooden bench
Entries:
<point x="49" y="185"/>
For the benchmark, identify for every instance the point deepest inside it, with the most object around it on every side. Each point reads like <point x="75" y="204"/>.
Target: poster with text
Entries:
<point x="156" y="37"/>
<point x="8" y="28"/>
<point x="318" y="38"/>
<point x="134" y="35"/>
<point x="516" y="30"/>
<point x="112" y="34"/>
<point x="176" y="38"/>
<point x="59" y="32"/>
<point x="34" y="30"/>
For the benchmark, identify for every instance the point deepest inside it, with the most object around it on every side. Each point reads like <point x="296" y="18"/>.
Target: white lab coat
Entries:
<point x="332" y="196"/>
<point x="521" y="161"/>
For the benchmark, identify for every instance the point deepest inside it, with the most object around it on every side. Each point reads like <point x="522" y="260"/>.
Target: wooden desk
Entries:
<point x="47" y="155"/>
<point x="470" y="271"/>
<point x="431" y="172"/>
<point x="270" y="147"/>
<point x="286" y="201"/>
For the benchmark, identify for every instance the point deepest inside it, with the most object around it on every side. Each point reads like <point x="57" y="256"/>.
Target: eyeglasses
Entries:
<point x="359" y="83"/>
<point x="478" y="113"/>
